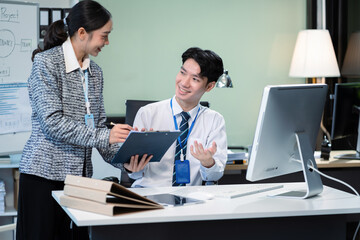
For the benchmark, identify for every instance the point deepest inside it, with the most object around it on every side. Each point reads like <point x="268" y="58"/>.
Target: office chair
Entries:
<point x="132" y="107"/>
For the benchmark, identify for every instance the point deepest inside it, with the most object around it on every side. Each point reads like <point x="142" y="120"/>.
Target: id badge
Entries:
<point x="89" y="120"/>
<point x="182" y="169"/>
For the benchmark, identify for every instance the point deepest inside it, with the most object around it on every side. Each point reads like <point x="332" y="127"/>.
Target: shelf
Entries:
<point x="9" y="211"/>
<point x="9" y="165"/>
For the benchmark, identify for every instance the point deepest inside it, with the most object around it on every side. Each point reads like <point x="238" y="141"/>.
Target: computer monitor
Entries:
<point x="286" y="133"/>
<point x="345" y="122"/>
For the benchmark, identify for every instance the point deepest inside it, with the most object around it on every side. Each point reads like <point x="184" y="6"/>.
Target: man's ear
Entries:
<point x="210" y="86"/>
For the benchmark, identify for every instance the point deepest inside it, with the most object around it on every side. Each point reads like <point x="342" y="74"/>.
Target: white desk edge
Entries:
<point x="330" y="202"/>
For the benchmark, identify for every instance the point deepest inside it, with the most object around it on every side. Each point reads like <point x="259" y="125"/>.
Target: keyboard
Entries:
<point x="229" y="191"/>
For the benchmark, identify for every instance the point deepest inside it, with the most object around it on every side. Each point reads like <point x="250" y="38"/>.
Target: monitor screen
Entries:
<point x="286" y="133"/>
<point x="346" y="117"/>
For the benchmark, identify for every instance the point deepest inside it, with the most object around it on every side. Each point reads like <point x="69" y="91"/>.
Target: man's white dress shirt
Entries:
<point x="209" y="127"/>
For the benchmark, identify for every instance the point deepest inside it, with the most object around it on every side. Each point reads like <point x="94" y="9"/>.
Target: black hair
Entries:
<point x="87" y="14"/>
<point x="211" y="65"/>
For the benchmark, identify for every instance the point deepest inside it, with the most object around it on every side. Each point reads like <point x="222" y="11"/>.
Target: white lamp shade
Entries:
<point x="314" y="55"/>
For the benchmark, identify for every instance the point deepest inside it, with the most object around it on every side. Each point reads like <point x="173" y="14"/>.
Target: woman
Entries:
<point x="65" y="90"/>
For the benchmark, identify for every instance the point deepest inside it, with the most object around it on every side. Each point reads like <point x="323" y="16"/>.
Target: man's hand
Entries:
<point x="135" y="165"/>
<point x="204" y="155"/>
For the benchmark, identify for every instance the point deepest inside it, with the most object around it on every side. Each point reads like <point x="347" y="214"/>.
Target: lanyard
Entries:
<point x="85" y="83"/>
<point x="177" y="128"/>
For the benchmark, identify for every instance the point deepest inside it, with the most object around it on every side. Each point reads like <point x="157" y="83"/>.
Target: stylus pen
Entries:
<point x="113" y="124"/>
<point x="110" y="124"/>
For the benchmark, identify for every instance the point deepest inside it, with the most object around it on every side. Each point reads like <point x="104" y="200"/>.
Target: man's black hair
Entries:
<point x="211" y="65"/>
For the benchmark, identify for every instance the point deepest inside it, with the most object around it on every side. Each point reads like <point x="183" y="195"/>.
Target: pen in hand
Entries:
<point x="119" y="132"/>
<point x="113" y="124"/>
<point x="142" y="130"/>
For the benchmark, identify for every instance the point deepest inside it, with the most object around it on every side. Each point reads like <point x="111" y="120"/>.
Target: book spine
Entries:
<point x="86" y="205"/>
<point x="236" y="162"/>
<point x="85" y="193"/>
<point x="88" y="183"/>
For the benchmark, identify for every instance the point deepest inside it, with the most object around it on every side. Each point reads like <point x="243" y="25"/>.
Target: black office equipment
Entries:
<point x="171" y="200"/>
<point x="50" y="15"/>
<point x="45" y="21"/>
<point x="346" y="117"/>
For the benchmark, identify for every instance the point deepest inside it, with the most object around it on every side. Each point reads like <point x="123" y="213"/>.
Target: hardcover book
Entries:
<point x="103" y="197"/>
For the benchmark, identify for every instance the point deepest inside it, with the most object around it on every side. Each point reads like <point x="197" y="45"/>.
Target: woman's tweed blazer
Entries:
<point x="60" y="141"/>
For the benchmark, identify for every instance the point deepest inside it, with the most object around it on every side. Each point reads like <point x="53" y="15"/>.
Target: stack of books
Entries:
<point x="2" y="196"/>
<point x="236" y="158"/>
<point x="103" y="197"/>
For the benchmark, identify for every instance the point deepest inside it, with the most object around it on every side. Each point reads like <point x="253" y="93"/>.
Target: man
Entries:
<point x="202" y="147"/>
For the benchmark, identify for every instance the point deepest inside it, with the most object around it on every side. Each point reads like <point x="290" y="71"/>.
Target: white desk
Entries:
<point x="255" y="217"/>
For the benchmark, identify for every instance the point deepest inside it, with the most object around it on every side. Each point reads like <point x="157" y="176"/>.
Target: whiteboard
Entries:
<point x="19" y="32"/>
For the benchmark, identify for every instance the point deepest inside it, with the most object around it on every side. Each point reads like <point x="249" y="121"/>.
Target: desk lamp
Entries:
<point x="224" y="81"/>
<point x="351" y="66"/>
<point x="314" y="57"/>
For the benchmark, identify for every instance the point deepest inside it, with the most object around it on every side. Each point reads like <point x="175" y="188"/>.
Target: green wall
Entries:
<point x="255" y="39"/>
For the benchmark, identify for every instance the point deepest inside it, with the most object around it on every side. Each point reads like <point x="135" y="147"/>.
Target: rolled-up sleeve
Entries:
<point x="218" y="135"/>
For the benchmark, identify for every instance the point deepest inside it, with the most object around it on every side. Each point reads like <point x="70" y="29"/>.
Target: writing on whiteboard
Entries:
<point x="7" y="46"/>
<point x="7" y="16"/>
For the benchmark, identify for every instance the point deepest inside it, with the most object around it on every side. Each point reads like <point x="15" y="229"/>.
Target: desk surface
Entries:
<point x="341" y="163"/>
<point x="329" y="202"/>
<point x="321" y="163"/>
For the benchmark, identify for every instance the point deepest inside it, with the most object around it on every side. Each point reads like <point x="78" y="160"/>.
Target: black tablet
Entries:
<point x="151" y="143"/>
<point x="171" y="200"/>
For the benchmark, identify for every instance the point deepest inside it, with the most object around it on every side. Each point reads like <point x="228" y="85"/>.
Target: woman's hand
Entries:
<point x="144" y="129"/>
<point x="119" y="133"/>
<point x="204" y="155"/>
<point x="135" y="166"/>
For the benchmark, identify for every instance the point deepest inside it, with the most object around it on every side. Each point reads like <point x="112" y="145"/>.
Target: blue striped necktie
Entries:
<point x="184" y="128"/>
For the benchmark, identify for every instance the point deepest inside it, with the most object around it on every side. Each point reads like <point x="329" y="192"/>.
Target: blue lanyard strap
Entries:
<point x="176" y="125"/>
<point x="85" y="82"/>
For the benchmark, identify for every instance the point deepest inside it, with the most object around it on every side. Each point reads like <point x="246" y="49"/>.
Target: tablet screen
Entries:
<point x="172" y="200"/>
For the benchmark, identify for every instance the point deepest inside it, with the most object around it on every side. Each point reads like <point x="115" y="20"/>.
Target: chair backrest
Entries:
<point x="132" y="107"/>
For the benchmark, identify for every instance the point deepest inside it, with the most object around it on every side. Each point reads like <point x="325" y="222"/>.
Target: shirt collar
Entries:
<point x="177" y="108"/>
<point x="71" y="62"/>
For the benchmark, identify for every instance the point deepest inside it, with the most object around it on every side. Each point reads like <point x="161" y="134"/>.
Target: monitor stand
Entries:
<point x="355" y="156"/>
<point x="312" y="179"/>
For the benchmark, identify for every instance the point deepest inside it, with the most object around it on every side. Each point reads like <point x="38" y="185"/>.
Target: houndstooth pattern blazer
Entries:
<point x="60" y="142"/>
